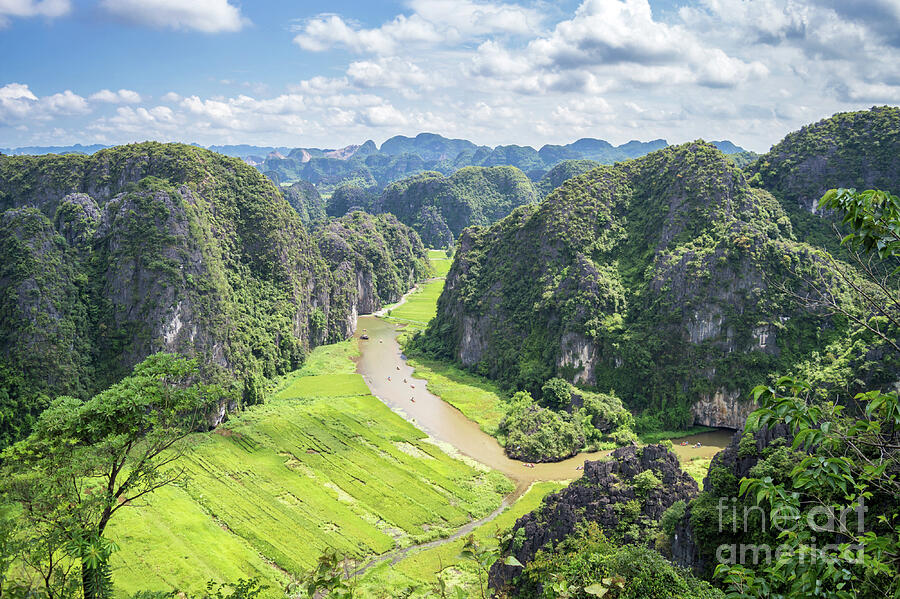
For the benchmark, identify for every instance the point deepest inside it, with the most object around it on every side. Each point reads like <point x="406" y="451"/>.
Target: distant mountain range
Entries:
<point x="367" y="165"/>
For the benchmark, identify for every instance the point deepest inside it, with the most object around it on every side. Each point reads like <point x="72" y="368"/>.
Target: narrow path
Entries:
<point x="398" y="554"/>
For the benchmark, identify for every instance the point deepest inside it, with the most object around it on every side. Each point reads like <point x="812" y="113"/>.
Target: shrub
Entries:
<point x="645" y="482"/>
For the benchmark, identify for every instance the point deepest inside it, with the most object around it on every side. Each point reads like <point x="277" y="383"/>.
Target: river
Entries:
<point x="381" y="357"/>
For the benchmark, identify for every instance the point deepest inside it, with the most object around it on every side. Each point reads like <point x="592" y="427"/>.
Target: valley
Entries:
<point x="325" y="459"/>
<point x="463" y="384"/>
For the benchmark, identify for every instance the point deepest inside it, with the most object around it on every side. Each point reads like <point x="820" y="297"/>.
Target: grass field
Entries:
<point x="322" y="465"/>
<point x="697" y="468"/>
<point x="420" y="306"/>
<point x="657" y="436"/>
<point x="476" y="397"/>
<point x="416" y="574"/>
<point x="439" y="262"/>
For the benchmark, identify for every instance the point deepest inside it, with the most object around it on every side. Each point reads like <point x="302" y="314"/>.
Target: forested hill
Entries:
<point x="440" y="207"/>
<point x="851" y="149"/>
<point x="367" y="165"/>
<point x="667" y="278"/>
<point x="107" y="258"/>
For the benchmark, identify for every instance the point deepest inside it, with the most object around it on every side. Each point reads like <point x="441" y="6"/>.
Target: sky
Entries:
<point x="327" y="74"/>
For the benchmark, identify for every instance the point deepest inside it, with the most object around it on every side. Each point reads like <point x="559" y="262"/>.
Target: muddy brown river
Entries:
<point x="380" y="357"/>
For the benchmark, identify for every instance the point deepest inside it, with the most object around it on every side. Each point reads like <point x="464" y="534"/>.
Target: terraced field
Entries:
<point x="416" y="575"/>
<point x="322" y="465"/>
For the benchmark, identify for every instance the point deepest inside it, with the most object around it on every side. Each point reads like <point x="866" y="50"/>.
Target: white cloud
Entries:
<point x="478" y="18"/>
<point x="320" y="85"/>
<point x="388" y="72"/>
<point x="16" y="101"/>
<point x="382" y="116"/>
<point x="207" y="16"/>
<point x="432" y="22"/>
<point x="171" y="97"/>
<point x="326" y="31"/>
<point x="19" y="104"/>
<point x="607" y="33"/>
<point x="33" y="8"/>
<point x="65" y="103"/>
<point x="123" y="96"/>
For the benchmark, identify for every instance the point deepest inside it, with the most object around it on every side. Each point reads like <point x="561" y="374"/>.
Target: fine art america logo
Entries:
<point x="827" y="522"/>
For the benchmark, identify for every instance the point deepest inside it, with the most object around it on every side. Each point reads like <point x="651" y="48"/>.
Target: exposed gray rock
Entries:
<point x="594" y="498"/>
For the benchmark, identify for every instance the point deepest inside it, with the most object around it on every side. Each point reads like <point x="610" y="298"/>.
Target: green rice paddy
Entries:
<point x="439" y="262"/>
<point x="322" y="465"/>
<point x="416" y="575"/>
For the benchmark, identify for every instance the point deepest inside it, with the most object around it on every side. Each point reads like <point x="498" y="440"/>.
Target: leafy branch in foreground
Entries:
<point x="838" y="512"/>
<point x="86" y="460"/>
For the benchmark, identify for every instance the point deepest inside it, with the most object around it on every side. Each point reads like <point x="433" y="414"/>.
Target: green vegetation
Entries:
<point x="698" y="468"/>
<point x="536" y="434"/>
<point x="850" y="150"/>
<point x="586" y="565"/>
<point x="305" y="199"/>
<point x="657" y="436"/>
<point x="670" y="264"/>
<point x="420" y="306"/>
<point x="561" y="173"/>
<point x="150" y="247"/>
<point x="439" y="207"/>
<point x="375" y="259"/>
<point x="557" y="429"/>
<point x="86" y="460"/>
<point x="416" y="575"/>
<point x="440" y="262"/>
<point x="322" y="459"/>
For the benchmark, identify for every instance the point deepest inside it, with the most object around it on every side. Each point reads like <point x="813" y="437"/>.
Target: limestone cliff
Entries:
<point x="667" y="278"/>
<point x="601" y="496"/>
<point x="166" y="247"/>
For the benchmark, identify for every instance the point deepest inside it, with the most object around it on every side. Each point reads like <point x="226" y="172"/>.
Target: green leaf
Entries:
<point x="597" y="590"/>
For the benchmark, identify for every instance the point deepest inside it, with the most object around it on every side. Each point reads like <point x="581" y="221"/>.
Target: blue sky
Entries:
<point x="329" y="74"/>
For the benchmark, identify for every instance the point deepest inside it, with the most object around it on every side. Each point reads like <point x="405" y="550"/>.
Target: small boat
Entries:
<point x="363" y="336"/>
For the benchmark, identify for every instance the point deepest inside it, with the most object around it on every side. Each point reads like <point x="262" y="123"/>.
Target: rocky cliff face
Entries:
<point x="599" y="496"/>
<point x="663" y="278"/>
<point x="374" y="259"/>
<point x="165" y="247"/>
<point x="850" y="149"/>
<point x="690" y="547"/>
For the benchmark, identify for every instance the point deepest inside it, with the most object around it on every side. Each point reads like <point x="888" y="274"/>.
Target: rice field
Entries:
<point x="420" y="306"/>
<point x="439" y="262"/>
<point x="416" y="575"/>
<point x="322" y="465"/>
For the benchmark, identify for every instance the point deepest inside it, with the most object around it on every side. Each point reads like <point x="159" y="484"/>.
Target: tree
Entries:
<point x="556" y="394"/>
<point x="85" y="460"/>
<point x="851" y="454"/>
<point x="873" y="216"/>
